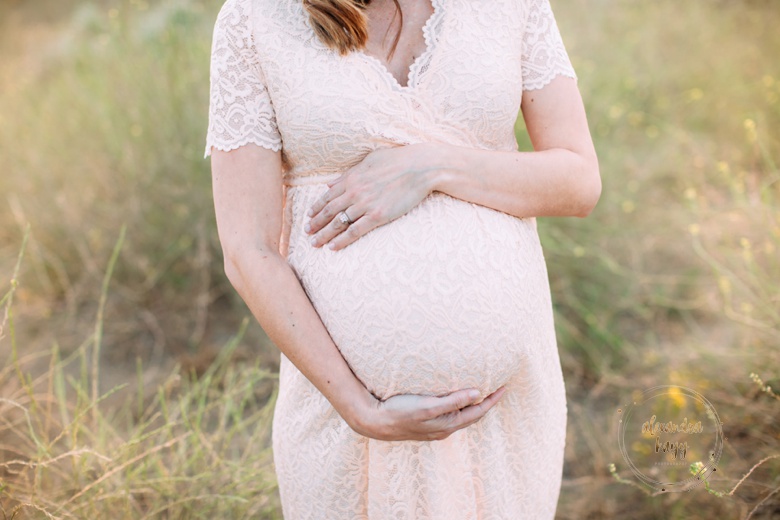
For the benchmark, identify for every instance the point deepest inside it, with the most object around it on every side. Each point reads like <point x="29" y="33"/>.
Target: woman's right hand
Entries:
<point x="249" y="206"/>
<point x="408" y="417"/>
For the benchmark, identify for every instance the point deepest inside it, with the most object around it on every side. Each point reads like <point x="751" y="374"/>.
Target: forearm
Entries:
<point x="273" y="293"/>
<point x="554" y="182"/>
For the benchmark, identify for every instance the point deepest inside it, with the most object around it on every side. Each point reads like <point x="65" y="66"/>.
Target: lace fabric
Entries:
<point x="240" y="111"/>
<point x="544" y="54"/>
<point x="448" y="296"/>
<point x="241" y="106"/>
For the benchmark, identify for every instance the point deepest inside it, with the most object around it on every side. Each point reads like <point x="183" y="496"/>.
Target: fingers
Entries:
<point x="326" y="228"/>
<point x="357" y="229"/>
<point x="333" y="227"/>
<point x="324" y="202"/>
<point x="334" y="181"/>
<point x="471" y="414"/>
<point x="324" y="225"/>
<point x="454" y="402"/>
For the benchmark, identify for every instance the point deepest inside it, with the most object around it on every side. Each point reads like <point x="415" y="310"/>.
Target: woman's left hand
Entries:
<point x="386" y="184"/>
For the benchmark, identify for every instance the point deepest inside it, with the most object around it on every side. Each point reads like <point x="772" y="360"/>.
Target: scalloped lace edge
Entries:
<point x="540" y="84"/>
<point x="227" y="148"/>
<point x="431" y="34"/>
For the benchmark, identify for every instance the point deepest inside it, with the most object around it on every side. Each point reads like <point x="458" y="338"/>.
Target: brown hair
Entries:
<point x="342" y="24"/>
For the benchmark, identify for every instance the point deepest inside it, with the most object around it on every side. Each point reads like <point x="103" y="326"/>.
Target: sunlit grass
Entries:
<point x="194" y="447"/>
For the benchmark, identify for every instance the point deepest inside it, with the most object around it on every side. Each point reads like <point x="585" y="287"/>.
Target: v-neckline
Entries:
<point x="412" y="74"/>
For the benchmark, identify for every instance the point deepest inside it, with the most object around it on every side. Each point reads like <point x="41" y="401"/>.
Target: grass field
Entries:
<point x="135" y="384"/>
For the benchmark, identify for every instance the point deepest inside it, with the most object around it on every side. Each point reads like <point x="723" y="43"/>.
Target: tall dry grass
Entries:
<point x="194" y="446"/>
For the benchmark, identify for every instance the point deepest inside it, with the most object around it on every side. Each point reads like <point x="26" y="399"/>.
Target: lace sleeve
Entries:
<point x="240" y="109"/>
<point x="544" y="56"/>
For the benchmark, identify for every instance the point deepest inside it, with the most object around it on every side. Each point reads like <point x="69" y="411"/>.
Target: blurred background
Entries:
<point x="135" y="383"/>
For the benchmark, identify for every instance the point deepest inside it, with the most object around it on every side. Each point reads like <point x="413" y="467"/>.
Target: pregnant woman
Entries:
<point x="379" y="221"/>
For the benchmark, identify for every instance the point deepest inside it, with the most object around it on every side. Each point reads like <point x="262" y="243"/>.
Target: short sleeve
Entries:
<point x="240" y="109"/>
<point x="544" y="56"/>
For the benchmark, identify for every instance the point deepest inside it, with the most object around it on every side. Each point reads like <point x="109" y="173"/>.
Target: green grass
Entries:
<point x="133" y="384"/>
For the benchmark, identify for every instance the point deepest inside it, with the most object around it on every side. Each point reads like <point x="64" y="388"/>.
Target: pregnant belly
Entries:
<point x="450" y="295"/>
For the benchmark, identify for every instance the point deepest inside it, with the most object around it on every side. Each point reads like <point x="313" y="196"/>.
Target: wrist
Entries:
<point x="358" y="411"/>
<point x="443" y="161"/>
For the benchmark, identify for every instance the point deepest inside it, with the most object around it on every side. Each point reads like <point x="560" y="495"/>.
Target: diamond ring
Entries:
<point x="344" y="218"/>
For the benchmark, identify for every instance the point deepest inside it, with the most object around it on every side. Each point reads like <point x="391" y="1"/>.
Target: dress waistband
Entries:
<point x="316" y="178"/>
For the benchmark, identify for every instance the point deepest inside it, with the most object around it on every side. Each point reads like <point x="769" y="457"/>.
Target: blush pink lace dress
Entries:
<point x="450" y="295"/>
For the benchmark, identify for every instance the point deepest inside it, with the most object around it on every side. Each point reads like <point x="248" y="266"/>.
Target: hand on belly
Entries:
<point x="444" y="298"/>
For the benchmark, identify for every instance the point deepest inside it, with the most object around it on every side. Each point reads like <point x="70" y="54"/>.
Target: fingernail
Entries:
<point x="313" y="241"/>
<point x="307" y="228"/>
<point x="331" y="246"/>
<point x="474" y="394"/>
<point x="310" y="213"/>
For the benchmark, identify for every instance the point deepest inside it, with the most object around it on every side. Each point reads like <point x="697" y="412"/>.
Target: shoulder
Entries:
<point x="260" y="18"/>
<point x="538" y="10"/>
<point x="525" y="10"/>
<point x="248" y="13"/>
<point x="514" y="13"/>
<point x="234" y="10"/>
<point x="233" y="21"/>
<point x="251" y="25"/>
<point x="495" y="13"/>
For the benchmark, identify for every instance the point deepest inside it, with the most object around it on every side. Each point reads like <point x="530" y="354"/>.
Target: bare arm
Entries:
<point x="559" y="178"/>
<point x="247" y="185"/>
